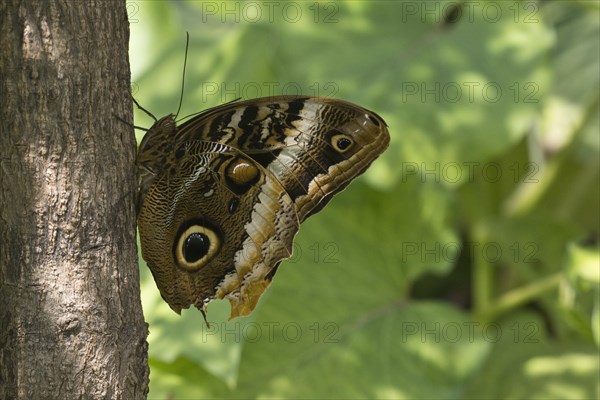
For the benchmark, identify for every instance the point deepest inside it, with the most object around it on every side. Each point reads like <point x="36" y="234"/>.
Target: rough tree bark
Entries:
<point x="71" y="323"/>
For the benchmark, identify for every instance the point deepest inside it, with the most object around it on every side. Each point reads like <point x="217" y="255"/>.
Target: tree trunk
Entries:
<point x="71" y="323"/>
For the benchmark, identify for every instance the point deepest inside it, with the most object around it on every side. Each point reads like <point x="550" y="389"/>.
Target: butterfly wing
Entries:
<point x="244" y="175"/>
<point x="314" y="146"/>
<point x="213" y="223"/>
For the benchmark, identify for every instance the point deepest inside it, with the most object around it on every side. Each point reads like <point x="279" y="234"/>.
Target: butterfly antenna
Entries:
<point x="143" y="109"/>
<point x="187" y="44"/>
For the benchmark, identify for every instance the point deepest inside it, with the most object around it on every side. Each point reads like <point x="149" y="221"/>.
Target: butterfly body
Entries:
<point x="222" y="195"/>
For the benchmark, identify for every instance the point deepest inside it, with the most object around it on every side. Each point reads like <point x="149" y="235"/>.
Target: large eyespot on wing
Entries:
<point x="196" y="245"/>
<point x="241" y="174"/>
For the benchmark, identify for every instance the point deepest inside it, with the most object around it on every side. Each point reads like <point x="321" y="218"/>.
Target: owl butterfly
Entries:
<point x="222" y="196"/>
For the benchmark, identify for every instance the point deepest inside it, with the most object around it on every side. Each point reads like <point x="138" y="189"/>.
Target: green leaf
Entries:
<point x="347" y="259"/>
<point x="171" y="380"/>
<point x="583" y="263"/>
<point x="526" y="363"/>
<point x="400" y="351"/>
<point x="172" y="337"/>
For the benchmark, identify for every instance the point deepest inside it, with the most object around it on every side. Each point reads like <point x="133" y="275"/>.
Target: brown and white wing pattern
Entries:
<point x="223" y="194"/>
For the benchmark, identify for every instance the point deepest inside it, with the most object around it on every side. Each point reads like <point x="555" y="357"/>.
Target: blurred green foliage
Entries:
<point x="465" y="263"/>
